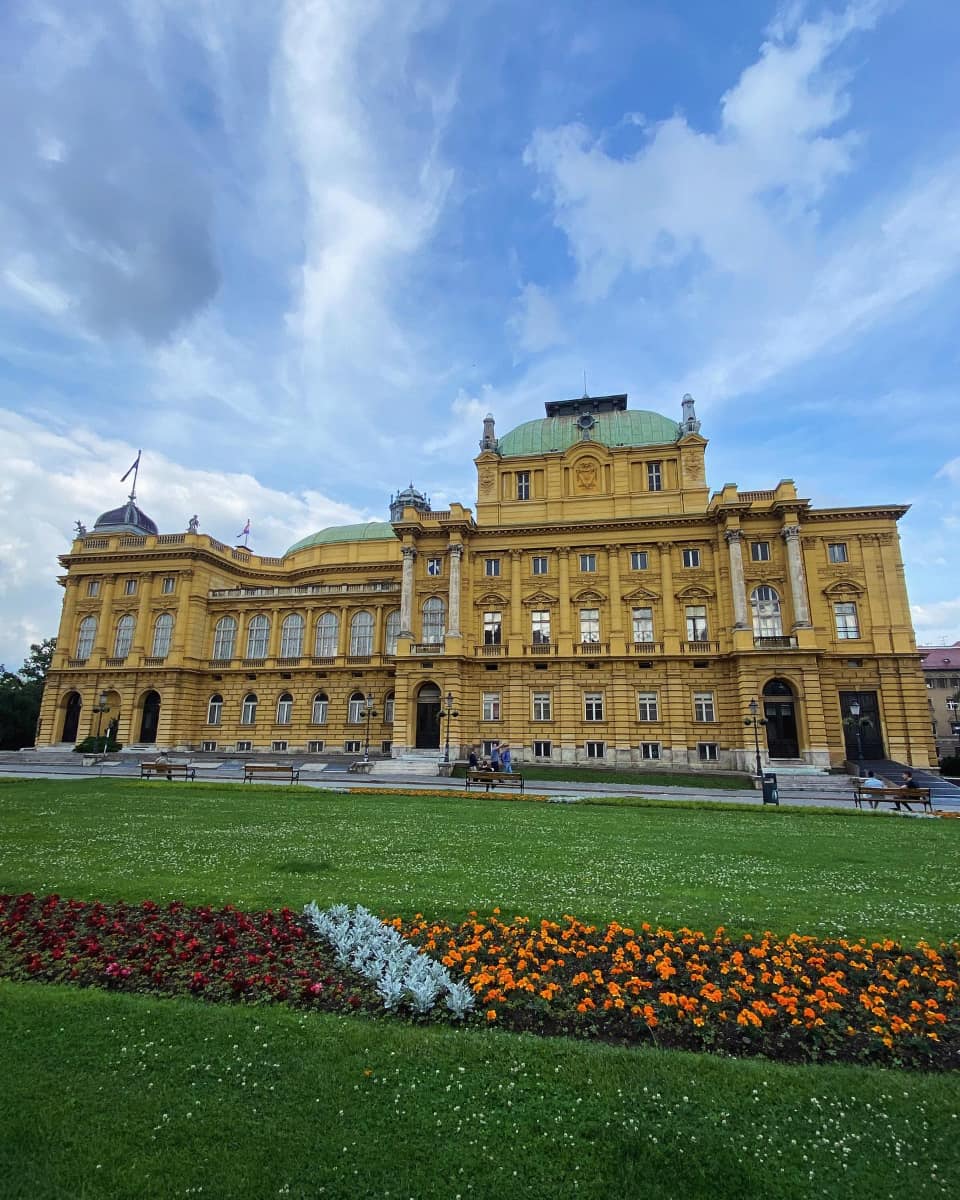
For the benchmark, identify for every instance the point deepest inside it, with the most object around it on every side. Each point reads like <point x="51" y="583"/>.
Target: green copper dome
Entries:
<point x="369" y="531"/>
<point x="624" y="428"/>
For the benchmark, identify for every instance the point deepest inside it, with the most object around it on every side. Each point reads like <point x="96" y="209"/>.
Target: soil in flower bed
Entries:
<point x="218" y="955"/>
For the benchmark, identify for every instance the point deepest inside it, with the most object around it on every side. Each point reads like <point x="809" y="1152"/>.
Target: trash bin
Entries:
<point x="770" y="795"/>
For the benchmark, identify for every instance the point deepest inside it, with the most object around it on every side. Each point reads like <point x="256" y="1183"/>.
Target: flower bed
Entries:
<point x="795" y="999"/>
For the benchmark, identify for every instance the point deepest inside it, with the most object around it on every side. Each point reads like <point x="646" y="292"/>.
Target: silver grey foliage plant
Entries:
<point x="400" y="973"/>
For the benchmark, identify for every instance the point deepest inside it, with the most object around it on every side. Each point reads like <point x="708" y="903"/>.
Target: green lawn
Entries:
<point x="114" y="1096"/>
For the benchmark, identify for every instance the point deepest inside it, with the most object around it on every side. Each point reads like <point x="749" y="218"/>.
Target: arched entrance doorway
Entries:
<point x="71" y="717"/>
<point x="428" y="717"/>
<point x="151" y="717"/>
<point x="780" y="713"/>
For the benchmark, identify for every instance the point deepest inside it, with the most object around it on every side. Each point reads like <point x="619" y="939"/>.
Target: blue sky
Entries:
<point x="295" y="251"/>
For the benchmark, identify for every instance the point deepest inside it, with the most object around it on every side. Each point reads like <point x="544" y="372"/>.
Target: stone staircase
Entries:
<point x="412" y="762"/>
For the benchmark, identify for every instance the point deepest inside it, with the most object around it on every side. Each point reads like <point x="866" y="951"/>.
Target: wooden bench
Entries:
<point x="150" y="770"/>
<point x="253" y="771"/>
<point x="895" y="795"/>
<point x="492" y="778"/>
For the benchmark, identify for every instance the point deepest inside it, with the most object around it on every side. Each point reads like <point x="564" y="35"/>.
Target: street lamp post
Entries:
<point x="101" y="708"/>
<point x="756" y="722"/>
<point x="447" y="712"/>
<point x="855" y="715"/>
<point x="369" y="712"/>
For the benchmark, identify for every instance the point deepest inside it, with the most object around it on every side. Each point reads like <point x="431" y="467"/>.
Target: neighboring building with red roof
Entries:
<point x="941" y="670"/>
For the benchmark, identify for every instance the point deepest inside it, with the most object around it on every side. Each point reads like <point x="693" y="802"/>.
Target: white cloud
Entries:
<point x="937" y="624"/>
<point x="537" y="322"/>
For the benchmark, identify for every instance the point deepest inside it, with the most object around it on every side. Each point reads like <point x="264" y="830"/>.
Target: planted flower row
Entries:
<point x="795" y="998"/>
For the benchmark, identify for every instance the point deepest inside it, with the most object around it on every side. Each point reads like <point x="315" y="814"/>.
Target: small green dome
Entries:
<point x="625" y="428"/>
<point x="369" y="531"/>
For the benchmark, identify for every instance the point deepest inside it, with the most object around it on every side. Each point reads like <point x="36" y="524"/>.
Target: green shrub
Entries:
<point x="950" y="766"/>
<point x="97" y="745"/>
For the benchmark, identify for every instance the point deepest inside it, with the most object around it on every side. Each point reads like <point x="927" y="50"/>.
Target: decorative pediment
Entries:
<point x="844" y="587"/>
<point x="540" y="600"/>
<point x="490" y="600"/>
<point x="694" y="592"/>
<point x="588" y="595"/>
<point x="640" y="593"/>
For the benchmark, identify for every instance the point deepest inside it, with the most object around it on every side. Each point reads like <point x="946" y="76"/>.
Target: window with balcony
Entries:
<point x="162" y="635"/>
<point x="361" y="633"/>
<point x="643" y="624"/>
<point x="654" y="477"/>
<point x="285" y="709"/>
<point x="845" y="615"/>
<point x="703" y="707"/>
<point x="434" y="619"/>
<point x="124" y="639"/>
<point x="491" y="706"/>
<point x="647" y="707"/>
<point x="589" y="624"/>
<point x="328" y="632"/>
<point x="248" y="710"/>
<point x="593" y="706"/>
<point x="258" y="637"/>
<point x="86" y="634"/>
<point x="224" y="638"/>
<point x="765" y="605"/>
<point x="492" y="628"/>
<point x="540" y="622"/>
<point x="523" y="485"/>
<point x="542" y="706"/>
<point x="696" y="622"/>
<point x="215" y="709"/>
<point x="291" y="636"/>
<point x="639" y="560"/>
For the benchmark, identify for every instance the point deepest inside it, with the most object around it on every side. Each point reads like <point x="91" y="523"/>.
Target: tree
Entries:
<point x="20" y="696"/>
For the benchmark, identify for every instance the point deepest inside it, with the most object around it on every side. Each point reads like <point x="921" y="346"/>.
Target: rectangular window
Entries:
<point x="542" y="749"/>
<point x="707" y="751"/>
<point x="650" y="750"/>
<point x="589" y="624"/>
<point x="837" y="552"/>
<point x="845" y="615"/>
<point x="541" y="706"/>
<point x="486" y="747"/>
<point x="588" y="563"/>
<point x="703" y="709"/>
<point x="595" y="749"/>
<point x="168" y="584"/>
<point x="492" y="628"/>
<point x="351" y="747"/>
<point x="760" y="551"/>
<point x="647" y="707"/>
<point x="388" y="707"/>
<point x="539" y="564"/>
<point x="491" y="706"/>
<point x="208" y="747"/>
<point x="93" y="587"/>
<point x="386" y="747"/>
<point x="315" y="747"/>
<point x="593" y="706"/>
<point x="691" y="557"/>
<point x="638" y="560"/>
<point x="523" y="485"/>
<point x="434" y="566"/>
<point x="278" y="745"/>
<point x="492" y="567"/>
<point x="643" y="624"/>
<point x="244" y="745"/>
<point x="129" y="587"/>
<point x="540" y="619"/>
<point x="654" y="477"/>
<point x="696" y="623"/>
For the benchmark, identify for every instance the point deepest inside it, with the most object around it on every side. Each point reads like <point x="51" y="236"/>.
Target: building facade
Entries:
<point x="599" y="604"/>
<point x="941" y="672"/>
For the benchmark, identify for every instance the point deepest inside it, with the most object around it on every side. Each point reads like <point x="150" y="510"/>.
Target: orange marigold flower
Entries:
<point x="491" y="1014"/>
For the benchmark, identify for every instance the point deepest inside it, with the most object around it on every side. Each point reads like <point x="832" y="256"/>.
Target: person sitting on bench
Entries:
<point x="909" y="783"/>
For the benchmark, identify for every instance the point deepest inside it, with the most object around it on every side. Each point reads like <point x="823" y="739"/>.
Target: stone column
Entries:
<point x="733" y="537"/>
<point x="669" y="599"/>
<point x="616" y="600"/>
<point x="455" y="553"/>
<point x="516" y="611"/>
<point x="562" y="636"/>
<point x="67" y="641"/>
<point x="406" y="592"/>
<point x="798" y="581"/>
<point x="143" y="634"/>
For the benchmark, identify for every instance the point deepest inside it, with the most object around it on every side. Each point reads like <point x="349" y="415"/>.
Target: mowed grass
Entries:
<point x="114" y="1096"/>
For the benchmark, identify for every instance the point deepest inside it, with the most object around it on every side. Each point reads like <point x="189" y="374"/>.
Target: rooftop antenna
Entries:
<point x="586" y="394"/>
<point x="134" y="469"/>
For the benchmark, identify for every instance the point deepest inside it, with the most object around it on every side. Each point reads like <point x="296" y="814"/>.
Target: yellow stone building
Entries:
<point x="598" y="605"/>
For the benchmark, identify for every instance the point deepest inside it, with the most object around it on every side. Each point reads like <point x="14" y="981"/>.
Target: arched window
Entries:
<point x="162" y="633"/>
<point x="357" y="708"/>
<point x="214" y="709"/>
<point x="318" y="714"/>
<point x="393" y="632"/>
<point x="361" y="633"/>
<point x="285" y="709"/>
<point x="258" y="637"/>
<point x="766" y="612"/>
<point x="224" y="638"/>
<point x="434" y="619"/>
<point x="328" y="628"/>
<point x="388" y="702"/>
<point x="291" y="636"/>
<point x="248" y="713"/>
<point x="85" y="636"/>
<point x="124" y="638"/>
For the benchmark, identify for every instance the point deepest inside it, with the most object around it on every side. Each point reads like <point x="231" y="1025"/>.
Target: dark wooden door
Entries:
<point x="151" y="718"/>
<point x="71" y="719"/>
<point x="782" y="741"/>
